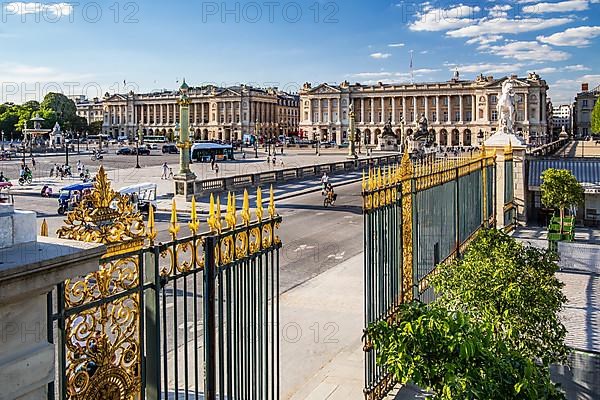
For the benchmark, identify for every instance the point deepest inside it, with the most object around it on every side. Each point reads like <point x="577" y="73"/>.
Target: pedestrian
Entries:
<point x="268" y="160"/>
<point x="282" y="149"/>
<point x="170" y="173"/>
<point x="165" y="169"/>
<point x="217" y="169"/>
<point x="33" y="162"/>
<point x="212" y="162"/>
<point x="274" y="161"/>
<point x="244" y="155"/>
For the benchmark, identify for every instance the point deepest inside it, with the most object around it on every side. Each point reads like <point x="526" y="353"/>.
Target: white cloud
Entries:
<point x="396" y="45"/>
<point x="563" y="6"/>
<point x="500" y="10"/>
<point x="545" y="70"/>
<point x="563" y="91"/>
<point x="370" y="78"/>
<point x="579" y="37"/>
<point x="380" y="56"/>
<point x="55" y="10"/>
<point x="486" y="68"/>
<point x="577" y="67"/>
<point x="484" y="39"/>
<point x="527" y="51"/>
<point x="441" y="19"/>
<point x="497" y="26"/>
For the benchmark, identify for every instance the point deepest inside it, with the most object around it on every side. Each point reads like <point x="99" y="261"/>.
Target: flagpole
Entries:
<point x="412" y="76"/>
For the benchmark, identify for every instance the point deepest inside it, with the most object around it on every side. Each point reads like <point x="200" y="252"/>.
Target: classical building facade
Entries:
<point x="582" y="110"/>
<point x="561" y="117"/>
<point x="215" y="113"/>
<point x="91" y="110"/>
<point x="460" y="112"/>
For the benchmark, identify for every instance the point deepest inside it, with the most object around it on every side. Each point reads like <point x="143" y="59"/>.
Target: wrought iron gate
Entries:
<point x="416" y="216"/>
<point x="195" y="317"/>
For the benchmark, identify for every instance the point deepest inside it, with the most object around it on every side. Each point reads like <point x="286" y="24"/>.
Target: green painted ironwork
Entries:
<point x="416" y="216"/>
<point x="202" y="310"/>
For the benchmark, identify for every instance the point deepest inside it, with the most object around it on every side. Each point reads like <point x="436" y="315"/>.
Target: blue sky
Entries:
<point x="95" y="46"/>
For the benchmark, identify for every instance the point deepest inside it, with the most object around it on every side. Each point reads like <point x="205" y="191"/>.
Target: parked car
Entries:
<point x="152" y="146"/>
<point x="170" y="149"/>
<point x="124" y="151"/>
<point x="142" y="151"/>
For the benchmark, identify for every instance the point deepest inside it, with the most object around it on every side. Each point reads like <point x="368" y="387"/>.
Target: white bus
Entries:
<point x="155" y="139"/>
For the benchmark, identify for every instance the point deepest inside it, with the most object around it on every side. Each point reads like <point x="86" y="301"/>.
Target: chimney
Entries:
<point x="585" y="87"/>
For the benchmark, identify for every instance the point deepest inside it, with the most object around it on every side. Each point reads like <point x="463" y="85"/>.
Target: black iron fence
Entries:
<point x="194" y="318"/>
<point x="417" y="215"/>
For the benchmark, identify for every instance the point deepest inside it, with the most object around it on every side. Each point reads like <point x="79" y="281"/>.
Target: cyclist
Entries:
<point x="330" y="193"/>
<point x="324" y="183"/>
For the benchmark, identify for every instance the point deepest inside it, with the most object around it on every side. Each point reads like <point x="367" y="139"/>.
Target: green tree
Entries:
<point x="512" y="288"/>
<point x="561" y="190"/>
<point x="456" y="357"/>
<point x="95" y="128"/>
<point x="596" y="118"/>
<point x="63" y="107"/>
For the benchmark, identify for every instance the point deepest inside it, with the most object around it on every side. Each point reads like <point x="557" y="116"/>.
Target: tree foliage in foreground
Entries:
<point x="449" y="354"/>
<point x="513" y="288"/>
<point x="492" y="331"/>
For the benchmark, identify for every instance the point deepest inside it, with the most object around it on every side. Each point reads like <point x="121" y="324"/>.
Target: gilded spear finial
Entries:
<point x="259" y="207"/>
<point x="174" y="227"/>
<point x="218" y="214"/>
<point x="211" y="214"/>
<point x="194" y="224"/>
<point x="151" y="231"/>
<point x="364" y="181"/>
<point x="246" y="208"/>
<point x="231" y="217"/>
<point x="271" y="209"/>
<point x="44" y="228"/>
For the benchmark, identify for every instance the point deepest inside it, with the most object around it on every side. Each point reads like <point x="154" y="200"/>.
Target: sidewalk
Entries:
<point x="321" y="348"/>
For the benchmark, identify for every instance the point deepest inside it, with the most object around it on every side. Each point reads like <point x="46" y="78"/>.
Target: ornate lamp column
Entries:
<point x="185" y="178"/>
<point x="352" y="132"/>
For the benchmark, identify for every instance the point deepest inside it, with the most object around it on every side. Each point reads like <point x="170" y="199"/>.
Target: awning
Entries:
<point x="586" y="171"/>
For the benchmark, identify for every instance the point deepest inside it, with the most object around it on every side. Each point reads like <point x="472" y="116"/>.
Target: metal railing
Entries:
<point x="217" y="185"/>
<point x="417" y="215"/>
<point x="195" y="317"/>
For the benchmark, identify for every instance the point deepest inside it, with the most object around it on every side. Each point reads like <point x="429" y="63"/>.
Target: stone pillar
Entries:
<point x="185" y="179"/>
<point x="460" y="109"/>
<point x="415" y="110"/>
<point x="526" y="96"/>
<point x="404" y="115"/>
<point x="449" y="109"/>
<point x="383" y="119"/>
<point x="427" y="107"/>
<point x="473" y="108"/>
<point x="362" y="110"/>
<point x="329" y="111"/>
<point x="372" y="110"/>
<point x="31" y="268"/>
<point x="393" y="111"/>
<point x="509" y="146"/>
<point x="437" y="109"/>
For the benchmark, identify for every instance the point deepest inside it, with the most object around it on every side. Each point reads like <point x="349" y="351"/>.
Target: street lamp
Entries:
<point x="480" y="138"/>
<point x="256" y="139"/>
<point x="137" y="150"/>
<point x="78" y="152"/>
<point x="2" y="140"/>
<point x="66" y="154"/>
<point x="87" y="142"/>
